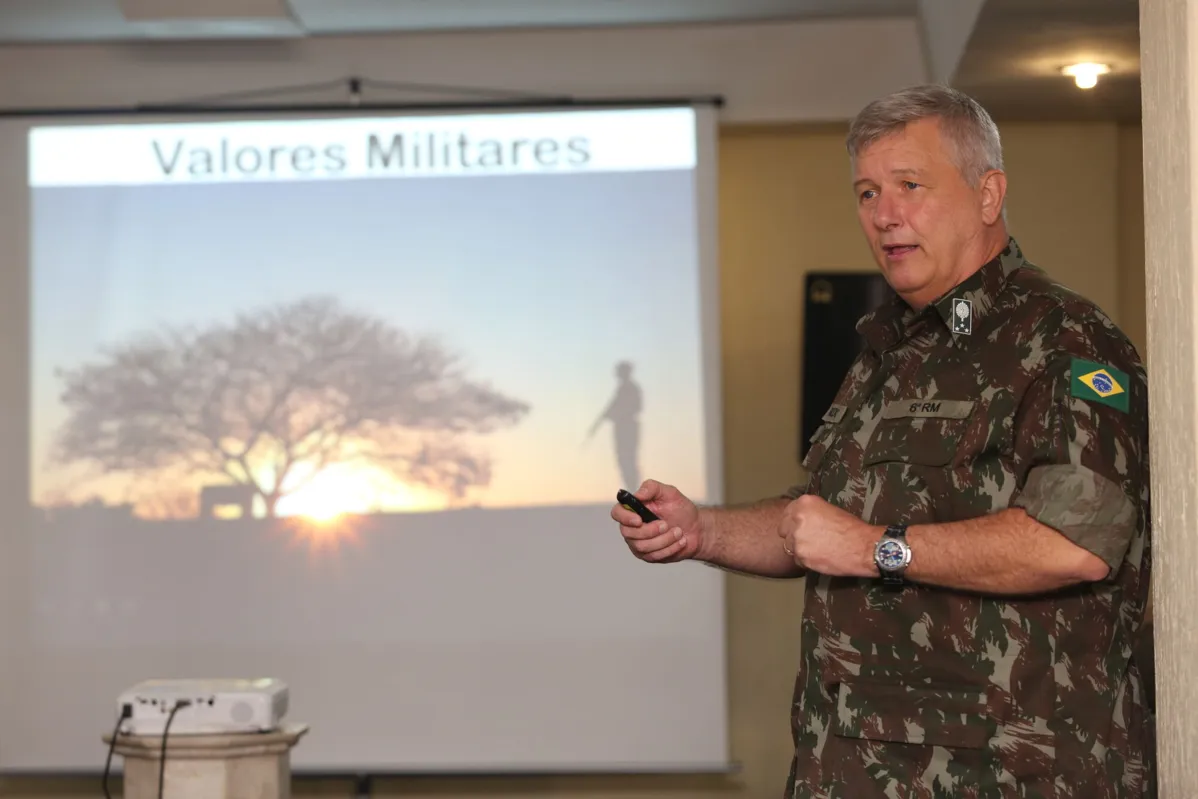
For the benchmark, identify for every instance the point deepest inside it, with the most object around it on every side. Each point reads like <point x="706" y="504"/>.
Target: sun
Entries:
<point x="344" y="489"/>
<point x="331" y="508"/>
<point x="332" y="493"/>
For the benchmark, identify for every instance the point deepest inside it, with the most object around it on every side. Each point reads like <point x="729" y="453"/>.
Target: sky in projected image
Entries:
<point x="373" y="345"/>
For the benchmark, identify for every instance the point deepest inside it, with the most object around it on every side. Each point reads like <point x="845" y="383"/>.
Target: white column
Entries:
<point x="237" y="766"/>
<point x="1169" y="72"/>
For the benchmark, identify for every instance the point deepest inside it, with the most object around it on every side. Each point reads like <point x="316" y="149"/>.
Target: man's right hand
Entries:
<point x="677" y="536"/>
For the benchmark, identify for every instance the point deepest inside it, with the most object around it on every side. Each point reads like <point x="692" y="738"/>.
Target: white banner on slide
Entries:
<point x="564" y="142"/>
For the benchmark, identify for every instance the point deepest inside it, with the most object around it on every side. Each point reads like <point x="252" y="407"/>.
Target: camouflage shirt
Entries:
<point x="1010" y="391"/>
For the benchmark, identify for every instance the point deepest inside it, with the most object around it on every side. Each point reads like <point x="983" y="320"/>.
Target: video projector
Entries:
<point x="211" y="707"/>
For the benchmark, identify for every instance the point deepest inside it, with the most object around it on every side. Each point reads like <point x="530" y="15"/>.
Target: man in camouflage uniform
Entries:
<point x="974" y="529"/>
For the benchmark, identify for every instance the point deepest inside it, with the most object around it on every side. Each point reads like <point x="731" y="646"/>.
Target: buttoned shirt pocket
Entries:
<point x="924" y="432"/>
<point x="908" y="730"/>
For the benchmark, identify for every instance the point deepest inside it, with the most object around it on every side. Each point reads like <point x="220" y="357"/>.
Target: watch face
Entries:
<point x="892" y="556"/>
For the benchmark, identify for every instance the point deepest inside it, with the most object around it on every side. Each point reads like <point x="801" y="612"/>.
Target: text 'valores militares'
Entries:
<point x="397" y="153"/>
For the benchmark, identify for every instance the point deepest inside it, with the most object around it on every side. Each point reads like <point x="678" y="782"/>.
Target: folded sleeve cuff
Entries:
<point x="1085" y="507"/>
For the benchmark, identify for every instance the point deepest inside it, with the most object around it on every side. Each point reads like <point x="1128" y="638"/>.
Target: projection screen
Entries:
<point x="345" y="400"/>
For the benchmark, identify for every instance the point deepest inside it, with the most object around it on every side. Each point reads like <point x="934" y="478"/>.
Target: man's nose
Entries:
<point x="886" y="213"/>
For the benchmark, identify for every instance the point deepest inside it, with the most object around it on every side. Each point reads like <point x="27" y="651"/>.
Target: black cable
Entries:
<point x="126" y="712"/>
<point x="182" y="703"/>
<point x="225" y="97"/>
<point x="468" y="91"/>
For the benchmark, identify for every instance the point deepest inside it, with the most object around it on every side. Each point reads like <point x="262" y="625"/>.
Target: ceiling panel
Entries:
<point x="1012" y="61"/>
<point x="348" y="16"/>
<point x="101" y="20"/>
<point x="62" y="20"/>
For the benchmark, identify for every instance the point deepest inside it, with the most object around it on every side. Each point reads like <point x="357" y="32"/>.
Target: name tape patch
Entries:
<point x="927" y="409"/>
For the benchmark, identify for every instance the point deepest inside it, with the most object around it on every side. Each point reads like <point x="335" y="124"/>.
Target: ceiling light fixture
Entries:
<point x="1085" y="75"/>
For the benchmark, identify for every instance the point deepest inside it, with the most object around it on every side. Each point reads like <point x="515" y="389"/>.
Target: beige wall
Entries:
<point x="786" y="208"/>
<point x="1077" y="210"/>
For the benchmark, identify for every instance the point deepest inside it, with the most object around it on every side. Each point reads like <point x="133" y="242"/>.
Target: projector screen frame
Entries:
<point x="354" y="109"/>
<point x="709" y="284"/>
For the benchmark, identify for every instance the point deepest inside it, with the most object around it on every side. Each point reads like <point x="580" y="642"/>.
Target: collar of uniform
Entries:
<point x="965" y="307"/>
<point x="887" y="325"/>
<point x="895" y="321"/>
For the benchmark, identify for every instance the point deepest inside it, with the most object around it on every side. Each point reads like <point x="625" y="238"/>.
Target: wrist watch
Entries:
<point x="892" y="555"/>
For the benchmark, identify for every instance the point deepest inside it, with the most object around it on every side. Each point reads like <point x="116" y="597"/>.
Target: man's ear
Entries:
<point x="994" y="193"/>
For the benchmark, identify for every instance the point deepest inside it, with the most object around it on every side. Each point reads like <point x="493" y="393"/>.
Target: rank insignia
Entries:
<point x="962" y="317"/>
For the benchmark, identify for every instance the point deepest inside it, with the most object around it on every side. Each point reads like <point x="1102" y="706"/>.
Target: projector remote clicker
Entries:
<point x="633" y="504"/>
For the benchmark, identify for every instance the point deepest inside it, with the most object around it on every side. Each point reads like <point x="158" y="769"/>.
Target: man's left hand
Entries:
<point x="823" y="538"/>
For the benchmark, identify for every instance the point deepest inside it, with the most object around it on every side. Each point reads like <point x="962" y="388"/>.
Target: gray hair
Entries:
<point x="969" y="130"/>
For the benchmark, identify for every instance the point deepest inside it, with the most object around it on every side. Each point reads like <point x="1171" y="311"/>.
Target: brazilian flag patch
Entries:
<point x="1099" y="383"/>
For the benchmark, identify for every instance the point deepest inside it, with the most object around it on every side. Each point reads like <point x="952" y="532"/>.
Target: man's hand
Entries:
<point x="823" y="538"/>
<point x="676" y="537"/>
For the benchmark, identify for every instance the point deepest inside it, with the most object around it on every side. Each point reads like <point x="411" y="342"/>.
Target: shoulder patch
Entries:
<point x="1099" y="383"/>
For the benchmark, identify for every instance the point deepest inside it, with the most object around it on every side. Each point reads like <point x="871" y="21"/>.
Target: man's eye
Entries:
<point x="867" y="194"/>
<point x="910" y="185"/>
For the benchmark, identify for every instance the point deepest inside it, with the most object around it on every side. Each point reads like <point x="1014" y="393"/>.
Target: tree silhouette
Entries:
<point x="271" y="398"/>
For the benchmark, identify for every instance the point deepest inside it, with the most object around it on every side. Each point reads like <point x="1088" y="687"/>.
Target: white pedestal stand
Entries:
<point x="241" y="766"/>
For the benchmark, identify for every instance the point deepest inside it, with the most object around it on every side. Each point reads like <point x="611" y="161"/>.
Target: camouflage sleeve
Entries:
<point x="797" y="490"/>
<point x="1080" y="434"/>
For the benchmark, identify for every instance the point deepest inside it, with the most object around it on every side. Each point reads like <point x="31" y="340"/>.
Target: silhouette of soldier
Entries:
<point x="624" y="412"/>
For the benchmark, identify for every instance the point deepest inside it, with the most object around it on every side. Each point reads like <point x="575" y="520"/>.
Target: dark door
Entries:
<point x="833" y="303"/>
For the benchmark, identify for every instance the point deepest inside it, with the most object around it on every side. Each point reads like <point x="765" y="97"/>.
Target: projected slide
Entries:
<point x="369" y="386"/>
<point x="227" y="328"/>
